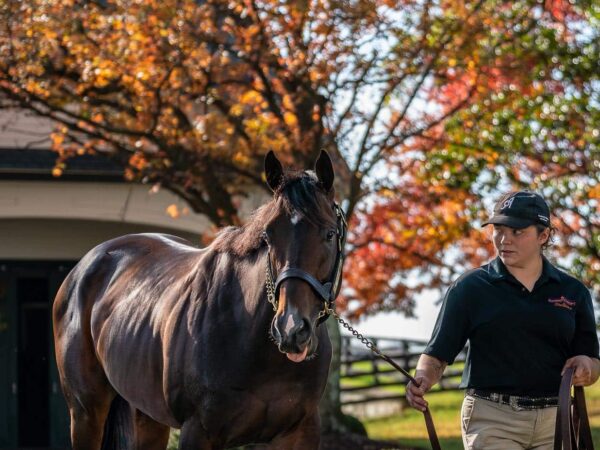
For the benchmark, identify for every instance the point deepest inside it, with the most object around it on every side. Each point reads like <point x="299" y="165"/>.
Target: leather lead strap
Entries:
<point x="572" y="430"/>
<point x="433" y="438"/>
<point x="585" y="432"/>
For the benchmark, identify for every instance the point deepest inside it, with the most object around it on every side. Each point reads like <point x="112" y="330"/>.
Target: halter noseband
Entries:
<point x="327" y="291"/>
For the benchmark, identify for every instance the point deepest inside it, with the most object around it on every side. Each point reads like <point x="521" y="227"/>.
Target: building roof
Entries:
<point x="38" y="164"/>
<point x="25" y="152"/>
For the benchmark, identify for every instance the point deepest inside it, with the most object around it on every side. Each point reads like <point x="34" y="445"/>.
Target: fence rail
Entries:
<point x="366" y="378"/>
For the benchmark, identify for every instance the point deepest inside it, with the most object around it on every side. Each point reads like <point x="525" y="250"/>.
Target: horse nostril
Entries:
<point x="303" y="331"/>
<point x="305" y="325"/>
<point x="291" y="332"/>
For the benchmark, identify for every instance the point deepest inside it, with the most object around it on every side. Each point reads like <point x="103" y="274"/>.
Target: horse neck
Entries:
<point x="250" y="274"/>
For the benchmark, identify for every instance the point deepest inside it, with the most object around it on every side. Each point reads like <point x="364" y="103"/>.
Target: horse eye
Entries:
<point x="330" y="235"/>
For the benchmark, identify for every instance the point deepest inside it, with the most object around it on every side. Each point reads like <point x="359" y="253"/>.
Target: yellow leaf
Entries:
<point x="251" y="97"/>
<point x="236" y="110"/>
<point x="57" y="139"/>
<point x="173" y="211"/>
<point x="290" y="119"/>
<point x="594" y="192"/>
<point x="241" y="158"/>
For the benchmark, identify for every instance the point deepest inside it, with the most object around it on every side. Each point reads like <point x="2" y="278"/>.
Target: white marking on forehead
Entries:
<point x="289" y="324"/>
<point x="296" y="218"/>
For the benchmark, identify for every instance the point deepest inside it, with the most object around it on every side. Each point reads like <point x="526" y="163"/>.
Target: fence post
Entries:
<point x="374" y="360"/>
<point x="406" y="352"/>
<point x="346" y="362"/>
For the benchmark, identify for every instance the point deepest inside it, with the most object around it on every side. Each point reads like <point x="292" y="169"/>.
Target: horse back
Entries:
<point x="124" y="264"/>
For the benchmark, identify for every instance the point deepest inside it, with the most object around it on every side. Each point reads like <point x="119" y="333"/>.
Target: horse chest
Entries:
<point x="282" y="403"/>
<point x="254" y="416"/>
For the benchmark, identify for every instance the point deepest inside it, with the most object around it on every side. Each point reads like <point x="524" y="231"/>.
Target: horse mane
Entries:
<point x="299" y="192"/>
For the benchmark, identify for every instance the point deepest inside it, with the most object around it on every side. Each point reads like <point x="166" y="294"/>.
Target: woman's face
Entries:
<point x="519" y="247"/>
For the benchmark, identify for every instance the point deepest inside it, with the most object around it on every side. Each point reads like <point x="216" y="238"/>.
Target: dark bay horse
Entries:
<point x="151" y="332"/>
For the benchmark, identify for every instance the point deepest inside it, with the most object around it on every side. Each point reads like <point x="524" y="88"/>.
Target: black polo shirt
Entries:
<point x="518" y="340"/>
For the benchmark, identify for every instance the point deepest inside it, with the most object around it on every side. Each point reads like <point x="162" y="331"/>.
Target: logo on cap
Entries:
<point x="508" y="203"/>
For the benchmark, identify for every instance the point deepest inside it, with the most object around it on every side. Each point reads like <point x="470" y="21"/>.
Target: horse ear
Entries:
<point x="273" y="171"/>
<point x="324" y="170"/>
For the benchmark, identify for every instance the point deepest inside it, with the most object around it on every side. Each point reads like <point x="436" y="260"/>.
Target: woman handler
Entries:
<point x="526" y="321"/>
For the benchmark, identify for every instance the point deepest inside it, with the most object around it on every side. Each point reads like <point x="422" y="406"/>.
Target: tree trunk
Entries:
<point x="333" y="420"/>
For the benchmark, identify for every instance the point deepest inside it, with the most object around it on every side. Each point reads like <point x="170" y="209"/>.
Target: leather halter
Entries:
<point x="327" y="291"/>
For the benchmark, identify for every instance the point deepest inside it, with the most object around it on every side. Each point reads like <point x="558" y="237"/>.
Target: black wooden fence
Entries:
<point x="367" y="378"/>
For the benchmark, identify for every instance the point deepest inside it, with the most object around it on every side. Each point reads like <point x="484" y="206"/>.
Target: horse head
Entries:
<point x="305" y="240"/>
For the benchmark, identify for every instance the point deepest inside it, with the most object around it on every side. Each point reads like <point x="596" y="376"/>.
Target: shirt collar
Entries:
<point x="498" y="271"/>
<point x="549" y="272"/>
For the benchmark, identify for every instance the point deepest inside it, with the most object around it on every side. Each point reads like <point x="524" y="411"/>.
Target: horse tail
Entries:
<point x="118" y="428"/>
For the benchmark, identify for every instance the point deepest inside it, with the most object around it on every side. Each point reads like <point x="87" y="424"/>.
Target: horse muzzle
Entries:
<point x="294" y="336"/>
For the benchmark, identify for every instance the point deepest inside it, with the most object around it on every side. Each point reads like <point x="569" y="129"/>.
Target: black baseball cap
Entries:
<point x="520" y="210"/>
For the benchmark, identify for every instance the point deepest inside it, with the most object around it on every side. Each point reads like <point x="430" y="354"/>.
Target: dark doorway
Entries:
<point x="33" y="362"/>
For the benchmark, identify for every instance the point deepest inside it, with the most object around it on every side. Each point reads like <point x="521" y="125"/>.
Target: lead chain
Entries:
<point x="270" y="288"/>
<point x="367" y="343"/>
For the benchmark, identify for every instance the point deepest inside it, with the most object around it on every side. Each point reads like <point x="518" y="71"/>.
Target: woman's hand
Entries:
<point x="415" y="395"/>
<point x="429" y="371"/>
<point x="587" y="370"/>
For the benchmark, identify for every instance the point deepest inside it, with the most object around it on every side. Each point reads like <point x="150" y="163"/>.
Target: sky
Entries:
<point x="396" y="325"/>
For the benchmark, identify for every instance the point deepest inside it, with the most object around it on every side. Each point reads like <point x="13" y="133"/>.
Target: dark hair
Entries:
<point x="540" y="229"/>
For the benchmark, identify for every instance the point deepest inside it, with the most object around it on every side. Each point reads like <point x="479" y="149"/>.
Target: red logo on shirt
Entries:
<point x="562" y="302"/>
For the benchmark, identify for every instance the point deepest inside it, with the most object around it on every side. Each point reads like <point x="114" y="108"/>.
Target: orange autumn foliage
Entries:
<point x="428" y="112"/>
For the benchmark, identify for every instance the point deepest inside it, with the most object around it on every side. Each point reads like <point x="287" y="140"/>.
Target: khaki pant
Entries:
<point x="493" y="426"/>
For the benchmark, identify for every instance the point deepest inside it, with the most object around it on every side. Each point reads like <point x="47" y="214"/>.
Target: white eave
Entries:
<point x="112" y="202"/>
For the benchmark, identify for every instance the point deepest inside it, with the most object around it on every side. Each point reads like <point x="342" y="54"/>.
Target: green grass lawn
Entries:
<point x="409" y="427"/>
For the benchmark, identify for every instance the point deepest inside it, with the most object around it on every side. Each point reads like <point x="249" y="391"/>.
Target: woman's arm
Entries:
<point x="429" y="372"/>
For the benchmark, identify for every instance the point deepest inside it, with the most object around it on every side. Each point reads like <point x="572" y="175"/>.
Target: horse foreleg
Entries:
<point x="87" y="424"/>
<point x="150" y="434"/>
<point x="306" y="436"/>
